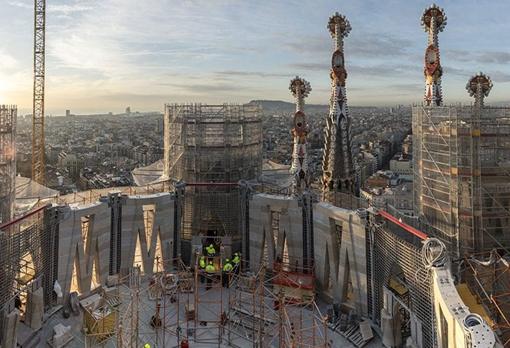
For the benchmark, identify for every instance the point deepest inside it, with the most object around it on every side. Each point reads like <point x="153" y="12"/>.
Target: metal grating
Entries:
<point x="211" y="148"/>
<point x="211" y="208"/>
<point x="25" y="252"/>
<point x="393" y="256"/>
<point x="7" y="161"/>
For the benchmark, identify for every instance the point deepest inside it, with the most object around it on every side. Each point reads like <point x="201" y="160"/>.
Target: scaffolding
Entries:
<point x="487" y="276"/>
<point x="462" y="157"/>
<point x="179" y="304"/>
<point x="25" y="259"/>
<point x="275" y="307"/>
<point x="7" y="161"/>
<point x="212" y="144"/>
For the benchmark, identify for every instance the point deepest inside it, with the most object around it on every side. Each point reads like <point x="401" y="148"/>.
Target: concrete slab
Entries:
<point x="172" y="313"/>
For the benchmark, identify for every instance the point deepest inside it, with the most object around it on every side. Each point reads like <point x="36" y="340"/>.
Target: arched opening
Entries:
<point x="95" y="277"/>
<point x="138" y="256"/>
<point x="213" y="229"/>
<point x="75" y="282"/>
<point x="399" y="303"/>
<point x="25" y="275"/>
<point x="158" y="255"/>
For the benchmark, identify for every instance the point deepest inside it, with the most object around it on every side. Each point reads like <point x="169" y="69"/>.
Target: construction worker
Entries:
<point x="210" y="270"/>
<point x="211" y="251"/>
<point x="235" y="261"/>
<point x="202" y="262"/>
<point x="227" y="269"/>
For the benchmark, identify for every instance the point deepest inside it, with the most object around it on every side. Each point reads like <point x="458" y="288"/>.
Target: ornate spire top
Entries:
<point x="300" y="87"/>
<point x="339" y="24"/>
<point x="433" y="17"/>
<point x="479" y="86"/>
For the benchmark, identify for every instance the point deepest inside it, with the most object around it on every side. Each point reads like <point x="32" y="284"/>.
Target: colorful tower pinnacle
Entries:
<point x="300" y="89"/>
<point x="337" y="163"/>
<point x="479" y="87"/>
<point x="433" y="21"/>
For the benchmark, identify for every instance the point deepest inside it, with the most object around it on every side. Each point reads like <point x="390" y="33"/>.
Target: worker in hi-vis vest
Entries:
<point x="227" y="269"/>
<point x="210" y="267"/>
<point x="202" y="262"/>
<point x="210" y="270"/>
<point x="236" y="262"/>
<point x="211" y="251"/>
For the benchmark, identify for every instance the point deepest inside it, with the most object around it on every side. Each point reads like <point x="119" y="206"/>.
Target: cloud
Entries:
<point x="450" y="70"/>
<point x="485" y="57"/>
<point x="310" y="66"/>
<point x="383" y="70"/>
<point x="207" y="88"/>
<point x="227" y="49"/>
<point x="379" y="70"/>
<point x="260" y="74"/>
<point x="54" y="8"/>
<point x="407" y="86"/>
<point x="359" y="44"/>
<point x="21" y="4"/>
<point x="500" y="76"/>
<point x="310" y="44"/>
<point x="8" y="61"/>
<point x="378" y="44"/>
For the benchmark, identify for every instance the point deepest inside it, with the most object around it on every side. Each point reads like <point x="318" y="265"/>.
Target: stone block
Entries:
<point x="35" y="309"/>
<point x="10" y="329"/>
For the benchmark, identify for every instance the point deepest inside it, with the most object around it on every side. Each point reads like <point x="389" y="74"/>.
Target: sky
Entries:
<point x="105" y="55"/>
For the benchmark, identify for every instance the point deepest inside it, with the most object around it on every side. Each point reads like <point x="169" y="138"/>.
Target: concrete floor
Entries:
<point x="172" y="314"/>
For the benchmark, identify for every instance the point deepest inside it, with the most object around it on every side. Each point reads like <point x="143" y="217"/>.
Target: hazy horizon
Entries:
<point x="106" y="55"/>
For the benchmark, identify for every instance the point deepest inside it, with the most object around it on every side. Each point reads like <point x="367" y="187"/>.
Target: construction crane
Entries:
<point x="38" y="167"/>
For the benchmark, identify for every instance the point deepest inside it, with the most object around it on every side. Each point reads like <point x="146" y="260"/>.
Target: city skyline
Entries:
<point x="105" y="55"/>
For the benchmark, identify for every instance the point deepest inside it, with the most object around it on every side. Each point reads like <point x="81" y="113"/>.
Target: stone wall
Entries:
<point x="337" y="263"/>
<point x="79" y="249"/>
<point x="85" y="232"/>
<point x="133" y="226"/>
<point x="263" y="209"/>
<point x="340" y="255"/>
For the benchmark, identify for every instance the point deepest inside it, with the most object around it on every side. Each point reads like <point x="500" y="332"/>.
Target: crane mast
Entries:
<point x="38" y="167"/>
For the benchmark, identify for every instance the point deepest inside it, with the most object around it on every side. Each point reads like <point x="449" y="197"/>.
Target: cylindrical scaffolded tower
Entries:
<point x="7" y="161"/>
<point x="337" y="163"/>
<point x="433" y="21"/>
<point x="210" y="148"/>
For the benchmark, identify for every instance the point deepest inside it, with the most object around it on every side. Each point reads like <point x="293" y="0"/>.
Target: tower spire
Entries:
<point x="479" y="87"/>
<point x="300" y="88"/>
<point x="337" y="166"/>
<point x="433" y="21"/>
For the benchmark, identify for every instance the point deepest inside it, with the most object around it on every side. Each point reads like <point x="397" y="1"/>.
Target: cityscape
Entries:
<point x="293" y="216"/>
